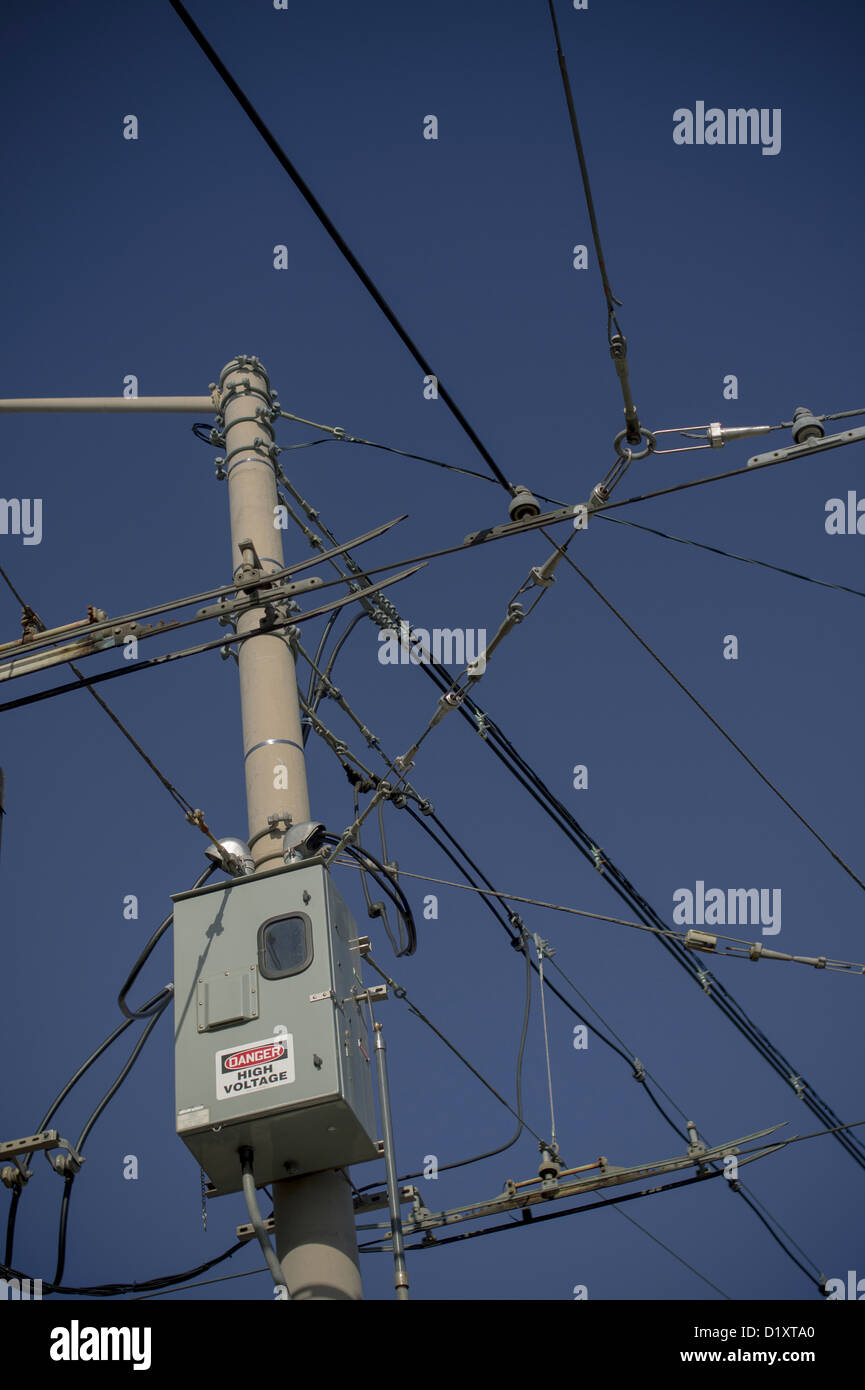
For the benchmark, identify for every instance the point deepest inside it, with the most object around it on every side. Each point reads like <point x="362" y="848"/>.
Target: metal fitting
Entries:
<point x="805" y="425"/>
<point x="523" y="505"/>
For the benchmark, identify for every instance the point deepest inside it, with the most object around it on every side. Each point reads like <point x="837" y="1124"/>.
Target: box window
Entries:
<point x="284" y="946"/>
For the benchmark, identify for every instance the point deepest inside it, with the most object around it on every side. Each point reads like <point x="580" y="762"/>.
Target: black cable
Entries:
<point x="10" y="1224"/>
<point x="313" y="203"/>
<point x="712" y="720"/>
<point x="115" y="1290"/>
<point x="121" y="1077"/>
<point x="746" y="559"/>
<point x="56" y="1103"/>
<point x="694" y="482"/>
<point x="575" y="130"/>
<point x="61" y="1235"/>
<point x="737" y="1187"/>
<point x="400" y="993"/>
<point x="70" y="1177"/>
<point x="379" y="873"/>
<point x="85" y="1066"/>
<point x="631" y="1061"/>
<point x="437" y="463"/>
<point x="328" y="628"/>
<point x="158" y="1002"/>
<point x="315" y="694"/>
<point x="491" y="1153"/>
<point x="177" y="796"/>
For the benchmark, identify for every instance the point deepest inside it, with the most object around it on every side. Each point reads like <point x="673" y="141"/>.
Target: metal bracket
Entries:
<point x="515" y="528"/>
<point x="65" y="1163"/>
<point x="812" y="446"/>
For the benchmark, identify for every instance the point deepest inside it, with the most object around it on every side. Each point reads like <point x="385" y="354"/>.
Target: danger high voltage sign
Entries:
<point x="255" y="1066"/>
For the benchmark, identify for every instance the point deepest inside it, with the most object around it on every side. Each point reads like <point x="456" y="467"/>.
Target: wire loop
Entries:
<point x="629" y="454"/>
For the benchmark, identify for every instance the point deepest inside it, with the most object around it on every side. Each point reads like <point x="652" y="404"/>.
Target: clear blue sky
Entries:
<point x="154" y="257"/>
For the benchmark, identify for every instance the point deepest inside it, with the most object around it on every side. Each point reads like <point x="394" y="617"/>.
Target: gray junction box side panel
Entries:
<point x="282" y="1065"/>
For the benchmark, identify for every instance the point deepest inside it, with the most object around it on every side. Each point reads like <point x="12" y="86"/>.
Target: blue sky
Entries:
<point x="155" y="257"/>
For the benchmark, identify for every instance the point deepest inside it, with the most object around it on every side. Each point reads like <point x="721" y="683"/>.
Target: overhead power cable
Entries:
<point x="746" y="559"/>
<point x="338" y="435"/>
<point x="335" y="236"/>
<point x="712" y="720"/>
<point x="163" y="1281"/>
<point x="194" y="816"/>
<point x="693" y="482"/>
<point x="673" y="1253"/>
<point x="633" y="431"/>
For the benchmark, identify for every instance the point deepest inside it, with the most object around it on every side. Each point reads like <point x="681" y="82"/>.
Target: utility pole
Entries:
<point x="314" y="1216"/>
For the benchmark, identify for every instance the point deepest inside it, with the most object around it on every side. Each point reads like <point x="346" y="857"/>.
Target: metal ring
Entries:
<point x="644" y="453"/>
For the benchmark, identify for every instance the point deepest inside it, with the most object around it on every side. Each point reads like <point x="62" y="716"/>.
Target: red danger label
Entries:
<point x="264" y="1064"/>
<point x="253" y="1056"/>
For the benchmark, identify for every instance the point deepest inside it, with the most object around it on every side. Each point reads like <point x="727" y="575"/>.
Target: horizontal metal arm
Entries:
<point x="194" y="405"/>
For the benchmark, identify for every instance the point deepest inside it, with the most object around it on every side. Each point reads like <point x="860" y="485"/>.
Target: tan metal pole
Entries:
<point x="315" y="1232"/>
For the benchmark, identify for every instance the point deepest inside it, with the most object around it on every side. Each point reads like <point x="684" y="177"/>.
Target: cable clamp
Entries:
<point x="796" y="1083"/>
<point x="639" y="1072"/>
<point x="598" y="857"/>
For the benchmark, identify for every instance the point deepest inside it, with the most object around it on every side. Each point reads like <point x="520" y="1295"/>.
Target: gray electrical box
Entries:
<point x="272" y="1048"/>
